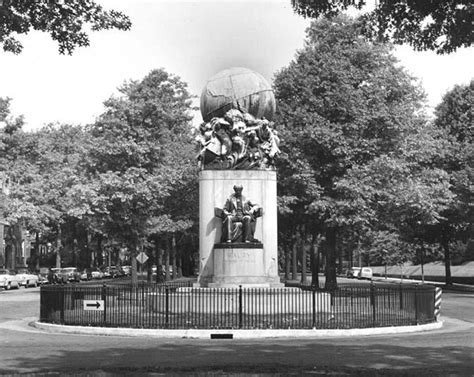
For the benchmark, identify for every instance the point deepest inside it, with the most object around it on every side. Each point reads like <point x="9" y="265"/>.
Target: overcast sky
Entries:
<point x="193" y="39"/>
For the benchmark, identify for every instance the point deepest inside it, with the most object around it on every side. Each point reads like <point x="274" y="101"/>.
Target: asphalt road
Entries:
<point x="448" y="351"/>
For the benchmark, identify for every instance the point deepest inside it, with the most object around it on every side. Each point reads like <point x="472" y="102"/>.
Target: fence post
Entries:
<point x="372" y="302"/>
<point x="240" y="306"/>
<point x="167" y="307"/>
<point x="104" y="299"/>
<point x="62" y="301"/>
<point x="314" y="307"/>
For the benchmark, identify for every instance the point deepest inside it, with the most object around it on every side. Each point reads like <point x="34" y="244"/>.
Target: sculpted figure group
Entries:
<point x="237" y="141"/>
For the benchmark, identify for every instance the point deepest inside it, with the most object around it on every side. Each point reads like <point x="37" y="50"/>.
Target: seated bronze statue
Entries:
<point x="239" y="218"/>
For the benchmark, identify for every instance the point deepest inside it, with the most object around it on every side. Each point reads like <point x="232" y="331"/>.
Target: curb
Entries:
<point x="232" y="334"/>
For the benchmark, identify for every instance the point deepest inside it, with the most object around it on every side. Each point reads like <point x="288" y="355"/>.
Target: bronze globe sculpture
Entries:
<point x="237" y="88"/>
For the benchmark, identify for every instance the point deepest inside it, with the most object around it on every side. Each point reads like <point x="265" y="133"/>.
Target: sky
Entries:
<point x="193" y="39"/>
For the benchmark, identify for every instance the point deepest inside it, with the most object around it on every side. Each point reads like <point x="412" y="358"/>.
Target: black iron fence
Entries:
<point x="179" y="306"/>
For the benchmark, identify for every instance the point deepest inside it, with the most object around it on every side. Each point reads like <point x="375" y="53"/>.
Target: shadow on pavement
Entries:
<point x="238" y="358"/>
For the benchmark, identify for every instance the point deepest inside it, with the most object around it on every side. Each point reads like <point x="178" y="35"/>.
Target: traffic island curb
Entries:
<point x="233" y="333"/>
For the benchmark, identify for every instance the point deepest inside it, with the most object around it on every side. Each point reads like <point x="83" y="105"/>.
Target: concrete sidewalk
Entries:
<point x="234" y="333"/>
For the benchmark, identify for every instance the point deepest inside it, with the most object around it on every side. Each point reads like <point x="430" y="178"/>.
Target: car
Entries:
<point x="86" y="274"/>
<point x="97" y="274"/>
<point x="8" y="279"/>
<point x="366" y="273"/>
<point x="127" y="270"/>
<point x="26" y="278"/>
<point x="360" y="273"/>
<point x="353" y="272"/>
<point x="114" y="271"/>
<point x="106" y="273"/>
<point x="68" y="274"/>
<point x="43" y="276"/>
<point x="55" y="275"/>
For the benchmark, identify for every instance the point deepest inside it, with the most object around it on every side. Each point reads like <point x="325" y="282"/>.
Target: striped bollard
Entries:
<point x="437" y="302"/>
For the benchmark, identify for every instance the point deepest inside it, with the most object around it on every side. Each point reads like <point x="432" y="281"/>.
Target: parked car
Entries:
<point x="8" y="279"/>
<point x="366" y="273"/>
<point x="68" y="274"/>
<point x="114" y="271"/>
<point x="97" y="274"/>
<point x="43" y="276"/>
<point x="26" y="278"/>
<point x="360" y="273"/>
<point x="54" y="275"/>
<point x="86" y="274"/>
<point x="106" y="273"/>
<point x="127" y="270"/>
<point x="353" y="273"/>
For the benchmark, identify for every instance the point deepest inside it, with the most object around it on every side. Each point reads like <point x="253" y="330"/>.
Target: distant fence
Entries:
<point x="178" y="306"/>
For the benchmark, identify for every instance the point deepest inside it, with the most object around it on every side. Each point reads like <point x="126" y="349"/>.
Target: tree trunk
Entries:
<point x="134" y="270"/>
<point x="303" y="260"/>
<point x="173" y="256"/>
<point x="74" y="252"/>
<point x="447" y="261"/>
<point x="422" y="260"/>
<point x="37" y="251"/>
<point x="287" y="263"/>
<point x="149" y="270"/>
<point x="167" y="260"/>
<point x="133" y="259"/>
<point x="58" y="248"/>
<point x="339" y="257"/>
<point x="314" y="263"/>
<point x="159" y="267"/>
<point x="294" y="262"/>
<point x="100" y="255"/>
<point x="331" y="278"/>
<point x="88" y="246"/>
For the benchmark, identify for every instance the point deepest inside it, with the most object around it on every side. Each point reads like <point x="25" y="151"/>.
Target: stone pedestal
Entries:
<point x="233" y="265"/>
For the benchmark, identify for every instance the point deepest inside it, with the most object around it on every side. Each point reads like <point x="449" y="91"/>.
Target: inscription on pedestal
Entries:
<point x="243" y="255"/>
<point x="238" y="265"/>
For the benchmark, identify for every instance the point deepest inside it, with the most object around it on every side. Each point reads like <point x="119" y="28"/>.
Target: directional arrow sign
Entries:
<point x="142" y="257"/>
<point x="94" y="305"/>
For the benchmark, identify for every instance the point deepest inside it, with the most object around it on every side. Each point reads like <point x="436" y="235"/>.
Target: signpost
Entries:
<point x="142" y="258"/>
<point x="94" y="305"/>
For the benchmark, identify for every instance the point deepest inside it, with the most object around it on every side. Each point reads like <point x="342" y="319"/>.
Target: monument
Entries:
<point x="237" y="182"/>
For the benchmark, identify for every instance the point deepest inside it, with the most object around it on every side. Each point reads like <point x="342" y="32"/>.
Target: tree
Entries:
<point x="141" y="151"/>
<point x="455" y="123"/>
<point x="65" y="21"/>
<point x="343" y="102"/>
<point x="43" y="168"/>
<point x="442" y="26"/>
<point x="454" y="113"/>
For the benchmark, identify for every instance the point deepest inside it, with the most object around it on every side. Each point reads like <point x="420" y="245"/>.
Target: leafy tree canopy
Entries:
<point x="454" y="119"/>
<point x="346" y="112"/>
<point x="141" y="154"/>
<point x="442" y="26"/>
<point x="42" y="168"/>
<point x="455" y="113"/>
<point x="343" y="102"/>
<point x="65" y="21"/>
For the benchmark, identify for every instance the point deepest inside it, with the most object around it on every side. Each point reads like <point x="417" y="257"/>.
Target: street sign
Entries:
<point x="94" y="305"/>
<point x="142" y="257"/>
